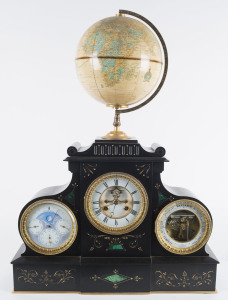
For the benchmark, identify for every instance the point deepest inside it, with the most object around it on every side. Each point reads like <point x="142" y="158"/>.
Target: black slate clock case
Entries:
<point x="100" y="262"/>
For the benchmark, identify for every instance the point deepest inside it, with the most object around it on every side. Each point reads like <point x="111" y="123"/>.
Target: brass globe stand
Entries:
<point x="116" y="134"/>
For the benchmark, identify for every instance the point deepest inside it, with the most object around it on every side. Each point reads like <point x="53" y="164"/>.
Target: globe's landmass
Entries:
<point x="119" y="61"/>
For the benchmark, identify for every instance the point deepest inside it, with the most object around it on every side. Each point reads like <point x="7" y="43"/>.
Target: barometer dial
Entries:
<point x="183" y="226"/>
<point x="116" y="203"/>
<point x="48" y="227"/>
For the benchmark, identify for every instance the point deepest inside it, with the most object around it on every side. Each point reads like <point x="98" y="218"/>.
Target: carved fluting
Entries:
<point x="115" y="150"/>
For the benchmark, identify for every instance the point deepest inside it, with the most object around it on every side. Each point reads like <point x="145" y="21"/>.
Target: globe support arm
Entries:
<point x="127" y="12"/>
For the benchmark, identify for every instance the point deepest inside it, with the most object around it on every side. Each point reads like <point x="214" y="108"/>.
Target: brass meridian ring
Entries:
<point x="151" y="97"/>
<point x="204" y="238"/>
<point x="120" y="230"/>
<point x="35" y="247"/>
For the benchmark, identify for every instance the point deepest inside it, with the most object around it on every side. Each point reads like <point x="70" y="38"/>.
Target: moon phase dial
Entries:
<point x="183" y="226"/>
<point x="48" y="227"/>
<point x="116" y="203"/>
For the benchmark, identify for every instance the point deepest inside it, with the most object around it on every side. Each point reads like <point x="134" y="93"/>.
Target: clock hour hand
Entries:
<point x="107" y="201"/>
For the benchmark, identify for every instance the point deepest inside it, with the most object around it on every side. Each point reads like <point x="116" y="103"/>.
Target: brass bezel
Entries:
<point x="121" y="230"/>
<point x="200" y="243"/>
<point x="35" y="247"/>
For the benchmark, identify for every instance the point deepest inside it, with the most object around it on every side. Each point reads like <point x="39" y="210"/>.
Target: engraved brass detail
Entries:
<point x="184" y="281"/>
<point x="34" y="277"/>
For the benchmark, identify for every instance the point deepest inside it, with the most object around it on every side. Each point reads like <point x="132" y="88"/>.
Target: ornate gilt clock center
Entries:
<point x="116" y="202"/>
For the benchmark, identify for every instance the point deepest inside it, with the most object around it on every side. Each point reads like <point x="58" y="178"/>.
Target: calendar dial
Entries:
<point x="48" y="226"/>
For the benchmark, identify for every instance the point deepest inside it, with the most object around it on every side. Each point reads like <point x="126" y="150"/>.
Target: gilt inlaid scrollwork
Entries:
<point x="45" y="278"/>
<point x="144" y="170"/>
<point x="88" y="169"/>
<point x="184" y="280"/>
<point x="116" y="243"/>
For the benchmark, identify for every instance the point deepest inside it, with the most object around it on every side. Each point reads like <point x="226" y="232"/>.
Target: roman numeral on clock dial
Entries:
<point x="105" y="219"/>
<point x="134" y="192"/>
<point x="134" y="212"/>
<point x="105" y="184"/>
<point x="136" y="202"/>
<point x="98" y="212"/>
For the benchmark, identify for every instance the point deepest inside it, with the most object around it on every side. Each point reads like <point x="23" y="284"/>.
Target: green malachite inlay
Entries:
<point x="161" y="198"/>
<point x="70" y="197"/>
<point x="116" y="247"/>
<point x="115" y="278"/>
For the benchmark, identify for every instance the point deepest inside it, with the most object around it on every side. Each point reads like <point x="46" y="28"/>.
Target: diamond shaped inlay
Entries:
<point x="115" y="278"/>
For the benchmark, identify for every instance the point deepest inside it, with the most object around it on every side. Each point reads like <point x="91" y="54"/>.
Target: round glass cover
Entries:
<point x="116" y="203"/>
<point x="183" y="226"/>
<point x="48" y="227"/>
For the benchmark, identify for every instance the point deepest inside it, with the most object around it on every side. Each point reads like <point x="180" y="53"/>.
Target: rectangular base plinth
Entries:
<point x="114" y="275"/>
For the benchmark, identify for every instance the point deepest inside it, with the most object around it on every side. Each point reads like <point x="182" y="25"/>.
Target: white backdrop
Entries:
<point x="44" y="108"/>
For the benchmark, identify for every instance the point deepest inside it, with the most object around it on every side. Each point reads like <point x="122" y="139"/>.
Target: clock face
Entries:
<point x="116" y="203"/>
<point x="48" y="227"/>
<point x="183" y="226"/>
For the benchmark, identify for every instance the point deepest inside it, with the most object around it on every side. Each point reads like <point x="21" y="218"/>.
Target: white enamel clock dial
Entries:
<point x="116" y="203"/>
<point x="48" y="226"/>
<point x="183" y="226"/>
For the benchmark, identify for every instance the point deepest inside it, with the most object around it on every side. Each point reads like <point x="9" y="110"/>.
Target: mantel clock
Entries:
<point x="116" y="228"/>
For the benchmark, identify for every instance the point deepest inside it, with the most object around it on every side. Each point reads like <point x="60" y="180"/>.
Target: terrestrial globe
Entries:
<point x="119" y="61"/>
